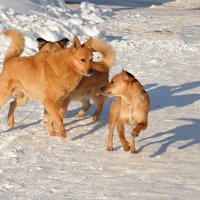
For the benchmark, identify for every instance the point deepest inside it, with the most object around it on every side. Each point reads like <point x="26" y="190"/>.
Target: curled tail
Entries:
<point x="17" y="44"/>
<point x="108" y="55"/>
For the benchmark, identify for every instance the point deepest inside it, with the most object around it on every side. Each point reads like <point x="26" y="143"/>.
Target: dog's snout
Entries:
<point x="102" y="89"/>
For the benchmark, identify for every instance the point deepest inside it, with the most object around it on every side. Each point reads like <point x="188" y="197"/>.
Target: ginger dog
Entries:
<point x="20" y="97"/>
<point x="131" y="106"/>
<point x="87" y="88"/>
<point x="45" y="77"/>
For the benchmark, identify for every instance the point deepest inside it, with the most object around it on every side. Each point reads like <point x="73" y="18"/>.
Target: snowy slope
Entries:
<point x="160" y="45"/>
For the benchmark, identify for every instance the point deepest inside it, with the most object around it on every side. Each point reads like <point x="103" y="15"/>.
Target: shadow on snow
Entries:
<point x="190" y="133"/>
<point x="122" y="5"/>
<point x="163" y="96"/>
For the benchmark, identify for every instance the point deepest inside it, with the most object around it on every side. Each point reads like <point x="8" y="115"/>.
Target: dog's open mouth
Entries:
<point x="106" y="93"/>
<point x="87" y="75"/>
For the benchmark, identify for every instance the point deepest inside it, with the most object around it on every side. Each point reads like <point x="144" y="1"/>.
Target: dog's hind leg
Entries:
<point x="46" y="116"/>
<point x="19" y="101"/>
<point x="54" y="116"/>
<point x="86" y="105"/>
<point x="4" y="90"/>
<point x="99" y="101"/>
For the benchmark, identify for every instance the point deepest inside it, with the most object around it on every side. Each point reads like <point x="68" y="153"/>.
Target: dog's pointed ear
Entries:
<point x="63" y="42"/>
<point x="76" y="42"/>
<point x="41" y="42"/>
<point x="88" y="43"/>
<point x="127" y="76"/>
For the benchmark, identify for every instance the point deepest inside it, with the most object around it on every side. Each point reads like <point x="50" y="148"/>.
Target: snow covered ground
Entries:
<point x="157" y="41"/>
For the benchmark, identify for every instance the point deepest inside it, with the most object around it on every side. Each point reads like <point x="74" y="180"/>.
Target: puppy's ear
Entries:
<point x="41" y="42"/>
<point x="63" y="42"/>
<point x="127" y="76"/>
<point x="88" y="43"/>
<point x="76" y="42"/>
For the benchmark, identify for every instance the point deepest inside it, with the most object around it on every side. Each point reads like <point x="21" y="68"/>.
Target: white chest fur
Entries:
<point x="127" y="114"/>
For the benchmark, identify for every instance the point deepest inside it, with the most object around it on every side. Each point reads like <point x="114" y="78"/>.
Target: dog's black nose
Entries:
<point x="90" y="71"/>
<point x="102" y="89"/>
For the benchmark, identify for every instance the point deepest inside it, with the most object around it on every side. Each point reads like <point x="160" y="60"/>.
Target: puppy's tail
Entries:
<point x="108" y="55"/>
<point x="17" y="44"/>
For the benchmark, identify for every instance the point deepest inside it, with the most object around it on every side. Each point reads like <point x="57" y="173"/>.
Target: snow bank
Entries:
<point x="50" y="19"/>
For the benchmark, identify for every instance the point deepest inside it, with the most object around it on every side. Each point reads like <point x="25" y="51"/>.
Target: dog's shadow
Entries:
<point x="21" y="127"/>
<point x="163" y="96"/>
<point x="168" y="96"/>
<point x="189" y="133"/>
<point x="96" y="125"/>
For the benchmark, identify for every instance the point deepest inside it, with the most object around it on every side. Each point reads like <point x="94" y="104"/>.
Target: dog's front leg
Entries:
<point x="63" y="107"/>
<point x="135" y="132"/>
<point x="132" y="145"/>
<point x="54" y="117"/>
<point x="124" y="142"/>
<point x="137" y="129"/>
<point x="112" y="123"/>
<point x="114" y="112"/>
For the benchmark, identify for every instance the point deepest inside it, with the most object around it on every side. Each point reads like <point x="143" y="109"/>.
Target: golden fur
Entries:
<point x="87" y="89"/>
<point x="46" y="77"/>
<point x="131" y="106"/>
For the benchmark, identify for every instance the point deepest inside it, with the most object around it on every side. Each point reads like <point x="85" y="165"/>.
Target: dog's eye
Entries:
<point x="83" y="60"/>
<point x="112" y="82"/>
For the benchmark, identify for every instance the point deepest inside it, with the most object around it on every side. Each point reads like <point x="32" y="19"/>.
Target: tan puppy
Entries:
<point x="131" y="106"/>
<point x="45" y="77"/>
<point x="87" y="89"/>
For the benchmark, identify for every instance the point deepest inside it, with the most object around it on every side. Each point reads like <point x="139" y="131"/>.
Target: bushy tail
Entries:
<point x="108" y="55"/>
<point x="17" y="44"/>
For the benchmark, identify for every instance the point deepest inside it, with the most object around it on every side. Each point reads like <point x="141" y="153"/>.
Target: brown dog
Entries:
<point x="45" y="77"/>
<point x="20" y="97"/>
<point x="49" y="46"/>
<point x="87" y="88"/>
<point x="131" y="106"/>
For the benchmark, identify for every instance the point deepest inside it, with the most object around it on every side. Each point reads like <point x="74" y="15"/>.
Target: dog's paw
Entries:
<point x="63" y="134"/>
<point x="126" y="148"/>
<point x="135" y="151"/>
<point x="10" y="123"/>
<point x="109" y="148"/>
<point x="95" y="118"/>
<point x="134" y="134"/>
<point x="79" y="115"/>
<point x="45" y="119"/>
<point x="52" y="133"/>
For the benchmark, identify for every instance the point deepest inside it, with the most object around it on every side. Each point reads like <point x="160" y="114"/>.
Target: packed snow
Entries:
<point x="156" y="40"/>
